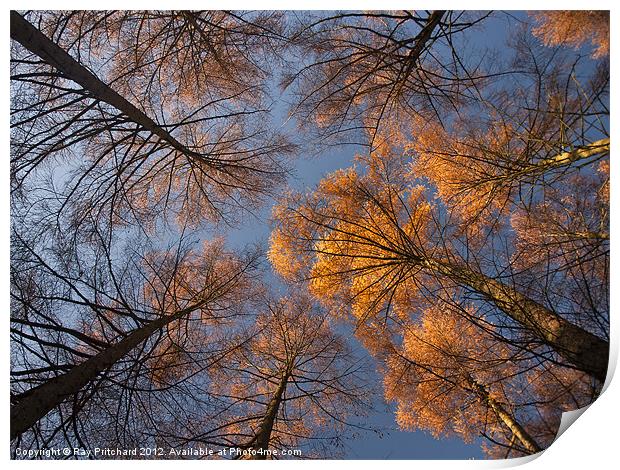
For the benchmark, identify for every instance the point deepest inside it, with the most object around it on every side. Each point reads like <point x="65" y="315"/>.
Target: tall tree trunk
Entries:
<point x="36" y="42"/>
<point x="600" y="147"/>
<point x="584" y="350"/>
<point x="263" y="436"/>
<point x="504" y="416"/>
<point x="39" y="401"/>
<point x="420" y="43"/>
<point x="539" y="168"/>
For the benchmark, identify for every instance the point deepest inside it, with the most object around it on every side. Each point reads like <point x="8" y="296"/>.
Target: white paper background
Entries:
<point x="592" y="443"/>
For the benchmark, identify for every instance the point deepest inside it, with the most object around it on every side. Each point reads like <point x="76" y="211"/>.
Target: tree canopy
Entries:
<point x="455" y="270"/>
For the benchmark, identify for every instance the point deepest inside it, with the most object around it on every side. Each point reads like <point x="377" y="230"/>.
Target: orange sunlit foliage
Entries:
<point x="174" y="111"/>
<point x="379" y="248"/>
<point x="566" y="226"/>
<point x="371" y="71"/>
<point x="569" y="233"/>
<point x="360" y="229"/>
<point x="376" y="244"/>
<point x="174" y="59"/>
<point x="208" y="281"/>
<point x="467" y="171"/>
<point x="574" y="28"/>
<point x="293" y="378"/>
<point x="481" y="170"/>
<point x="430" y="377"/>
<point x="452" y="377"/>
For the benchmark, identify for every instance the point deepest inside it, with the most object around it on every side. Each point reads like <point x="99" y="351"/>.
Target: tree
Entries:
<point x="189" y="140"/>
<point x="361" y="74"/>
<point x="452" y="377"/>
<point x="505" y="151"/>
<point x="494" y="230"/>
<point x="151" y="304"/>
<point x="439" y="209"/>
<point x="467" y="247"/>
<point x="378" y="243"/>
<point x="574" y="28"/>
<point x="292" y="385"/>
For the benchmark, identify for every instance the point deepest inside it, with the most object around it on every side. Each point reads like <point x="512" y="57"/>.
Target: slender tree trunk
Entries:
<point x="599" y="147"/>
<point x="584" y="350"/>
<point x="263" y="436"/>
<point x="539" y="168"/>
<point x="39" y="401"/>
<point x="507" y="418"/>
<point x="36" y="42"/>
<point x="420" y="43"/>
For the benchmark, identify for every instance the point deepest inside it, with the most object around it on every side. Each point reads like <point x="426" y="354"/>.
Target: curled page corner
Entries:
<point x="515" y="461"/>
<point x="523" y="460"/>
<point x="568" y="418"/>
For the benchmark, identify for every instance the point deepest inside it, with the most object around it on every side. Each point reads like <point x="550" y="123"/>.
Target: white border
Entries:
<point x="591" y="443"/>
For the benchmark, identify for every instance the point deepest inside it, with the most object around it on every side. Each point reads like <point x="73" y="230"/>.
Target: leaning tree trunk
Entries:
<point x="39" y="401"/>
<point x="420" y="43"/>
<point x="263" y="436"/>
<point x="595" y="149"/>
<point x="36" y="42"/>
<point x="504" y="416"/>
<point x="584" y="350"/>
<point x="579" y="155"/>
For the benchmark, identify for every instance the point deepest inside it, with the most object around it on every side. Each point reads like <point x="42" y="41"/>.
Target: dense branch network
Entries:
<point x="464" y="255"/>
